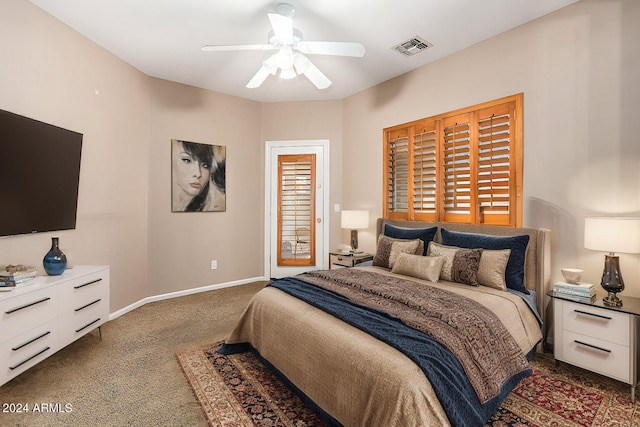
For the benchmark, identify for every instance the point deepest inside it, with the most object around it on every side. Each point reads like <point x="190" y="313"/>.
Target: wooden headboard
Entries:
<point x="537" y="259"/>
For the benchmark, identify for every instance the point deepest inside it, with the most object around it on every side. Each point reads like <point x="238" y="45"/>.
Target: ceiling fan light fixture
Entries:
<point x="287" y="73"/>
<point x="285" y="57"/>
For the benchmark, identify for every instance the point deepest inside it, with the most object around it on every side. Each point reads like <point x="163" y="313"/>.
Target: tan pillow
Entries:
<point x="493" y="264"/>
<point x="383" y="250"/>
<point x="421" y="267"/>
<point x="398" y="248"/>
<point x="460" y="265"/>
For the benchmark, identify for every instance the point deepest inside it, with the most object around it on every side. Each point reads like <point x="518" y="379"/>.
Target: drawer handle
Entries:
<point x="26" y="360"/>
<point x="30" y="341"/>
<point x="87" y="284"/>
<point x="88" y="324"/>
<point x="592" y="346"/>
<point x="13" y="310"/>
<point x="592" y="314"/>
<point x="85" y="306"/>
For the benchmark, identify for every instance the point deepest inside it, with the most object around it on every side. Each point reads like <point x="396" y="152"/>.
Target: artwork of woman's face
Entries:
<point x="190" y="173"/>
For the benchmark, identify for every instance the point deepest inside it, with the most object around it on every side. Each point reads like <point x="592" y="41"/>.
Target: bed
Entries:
<point x="372" y="356"/>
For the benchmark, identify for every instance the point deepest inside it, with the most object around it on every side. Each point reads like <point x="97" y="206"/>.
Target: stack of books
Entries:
<point x="579" y="291"/>
<point x="12" y="275"/>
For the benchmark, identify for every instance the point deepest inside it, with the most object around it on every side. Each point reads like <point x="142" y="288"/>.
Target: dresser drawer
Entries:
<point x="76" y="323"/>
<point x="603" y="357"/>
<point x="21" y="352"/>
<point x="26" y="311"/>
<point x="607" y="325"/>
<point x="76" y="294"/>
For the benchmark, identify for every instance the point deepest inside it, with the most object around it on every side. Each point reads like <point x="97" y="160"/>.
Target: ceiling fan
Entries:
<point x="290" y="59"/>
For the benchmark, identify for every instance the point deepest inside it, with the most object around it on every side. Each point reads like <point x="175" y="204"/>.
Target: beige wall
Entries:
<point x="288" y="121"/>
<point x="578" y="69"/>
<point x="55" y="75"/>
<point x="182" y="245"/>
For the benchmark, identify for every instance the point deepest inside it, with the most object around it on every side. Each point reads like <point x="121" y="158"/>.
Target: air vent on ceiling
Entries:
<point x="412" y="46"/>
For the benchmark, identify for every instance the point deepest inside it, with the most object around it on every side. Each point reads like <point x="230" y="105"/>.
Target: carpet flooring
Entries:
<point x="238" y="390"/>
<point x="129" y="377"/>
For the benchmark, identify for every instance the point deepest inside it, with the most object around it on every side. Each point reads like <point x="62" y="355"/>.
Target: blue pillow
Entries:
<point x="424" y="234"/>
<point x="514" y="274"/>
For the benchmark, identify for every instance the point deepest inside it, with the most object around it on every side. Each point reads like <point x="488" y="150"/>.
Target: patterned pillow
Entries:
<point x="385" y="250"/>
<point x="422" y="267"/>
<point x="460" y="265"/>
<point x="514" y="274"/>
<point x="491" y="271"/>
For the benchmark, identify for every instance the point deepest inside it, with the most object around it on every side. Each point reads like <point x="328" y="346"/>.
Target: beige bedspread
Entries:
<point x="356" y="378"/>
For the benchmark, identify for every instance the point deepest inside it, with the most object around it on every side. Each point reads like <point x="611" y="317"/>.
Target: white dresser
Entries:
<point x="48" y="313"/>
<point x="598" y="338"/>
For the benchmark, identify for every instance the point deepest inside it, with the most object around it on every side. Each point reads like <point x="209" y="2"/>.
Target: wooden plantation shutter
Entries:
<point x="495" y="163"/>
<point x="424" y="171"/>
<point x="397" y="174"/>
<point x="464" y="166"/>
<point x="456" y="169"/>
<point x="296" y="210"/>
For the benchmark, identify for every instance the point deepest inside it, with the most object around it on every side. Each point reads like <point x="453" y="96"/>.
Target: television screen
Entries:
<point x="39" y="176"/>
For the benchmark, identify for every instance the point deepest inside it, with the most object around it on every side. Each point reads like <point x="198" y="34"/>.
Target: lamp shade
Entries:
<point x="354" y="219"/>
<point x="612" y="234"/>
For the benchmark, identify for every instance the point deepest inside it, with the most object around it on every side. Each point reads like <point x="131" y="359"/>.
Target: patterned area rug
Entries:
<point x="237" y="390"/>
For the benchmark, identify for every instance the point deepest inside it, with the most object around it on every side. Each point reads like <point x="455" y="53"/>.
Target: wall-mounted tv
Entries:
<point x="39" y="176"/>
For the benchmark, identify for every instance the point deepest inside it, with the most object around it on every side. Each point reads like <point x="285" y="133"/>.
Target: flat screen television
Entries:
<point x="39" y="176"/>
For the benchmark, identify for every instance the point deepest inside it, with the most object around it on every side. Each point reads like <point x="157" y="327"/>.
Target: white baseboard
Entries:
<point x="185" y="292"/>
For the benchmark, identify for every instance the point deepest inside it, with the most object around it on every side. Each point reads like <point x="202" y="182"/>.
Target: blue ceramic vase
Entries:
<point x="55" y="260"/>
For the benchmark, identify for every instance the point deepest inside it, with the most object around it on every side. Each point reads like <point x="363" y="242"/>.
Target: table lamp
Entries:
<point x="354" y="220"/>
<point x="612" y="234"/>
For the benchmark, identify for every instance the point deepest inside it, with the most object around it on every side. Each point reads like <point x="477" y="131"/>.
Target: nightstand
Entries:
<point x="597" y="337"/>
<point x="339" y="259"/>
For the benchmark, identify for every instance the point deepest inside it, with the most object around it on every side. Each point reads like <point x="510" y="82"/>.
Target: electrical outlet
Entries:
<point x="214" y="264"/>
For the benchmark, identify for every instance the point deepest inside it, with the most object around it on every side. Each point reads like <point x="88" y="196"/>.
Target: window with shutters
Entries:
<point x="463" y="166"/>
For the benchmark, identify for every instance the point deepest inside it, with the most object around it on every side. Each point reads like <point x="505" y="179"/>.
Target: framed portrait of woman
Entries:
<point x="197" y="177"/>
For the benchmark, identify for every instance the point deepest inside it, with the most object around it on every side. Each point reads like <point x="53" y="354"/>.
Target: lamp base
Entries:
<point x="612" y="300"/>
<point x="354" y="240"/>
<point x="612" y="280"/>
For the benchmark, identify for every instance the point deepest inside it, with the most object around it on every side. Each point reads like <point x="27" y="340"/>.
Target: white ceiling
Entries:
<point x="162" y="38"/>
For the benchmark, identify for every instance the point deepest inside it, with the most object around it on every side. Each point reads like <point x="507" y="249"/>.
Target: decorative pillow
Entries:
<point x="514" y="274"/>
<point x="385" y="250"/>
<point x="408" y="233"/>
<point x="422" y="267"/>
<point x="491" y="271"/>
<point x="460" y="265"/>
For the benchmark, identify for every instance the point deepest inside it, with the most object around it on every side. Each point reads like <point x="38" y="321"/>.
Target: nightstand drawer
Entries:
<point x="606" y="325"/>
<point x="596" y="355"/>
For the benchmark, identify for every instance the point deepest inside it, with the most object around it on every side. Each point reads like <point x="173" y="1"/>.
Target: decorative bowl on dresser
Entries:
<point x="48" y="313"/>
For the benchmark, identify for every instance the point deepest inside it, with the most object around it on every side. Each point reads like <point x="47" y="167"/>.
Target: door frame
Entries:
<point x="323" y="144"/>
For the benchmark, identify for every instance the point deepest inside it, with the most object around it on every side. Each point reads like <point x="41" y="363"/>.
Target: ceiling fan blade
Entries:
<point x="331" y="48"/>
<point x="258" y="78"/>
<point x="316" y="76"/>
<point x="225" y="48"/>
<point x="282" y="27"/>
